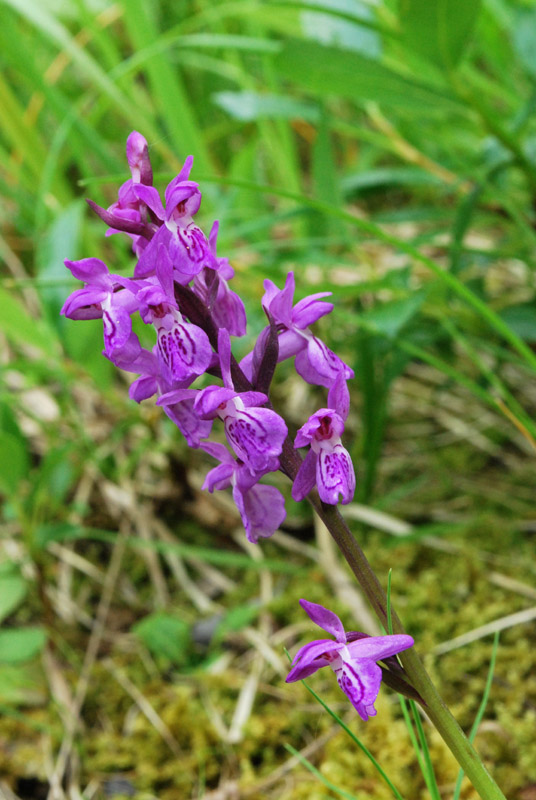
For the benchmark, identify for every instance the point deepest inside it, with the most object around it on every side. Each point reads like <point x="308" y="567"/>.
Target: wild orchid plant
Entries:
<point x="181" y="287"/>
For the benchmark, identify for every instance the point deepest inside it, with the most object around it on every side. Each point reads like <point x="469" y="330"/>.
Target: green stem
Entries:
<point x="434" y="706"/>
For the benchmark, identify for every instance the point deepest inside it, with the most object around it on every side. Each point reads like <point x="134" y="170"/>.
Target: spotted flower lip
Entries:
<point x="352" y="660"/>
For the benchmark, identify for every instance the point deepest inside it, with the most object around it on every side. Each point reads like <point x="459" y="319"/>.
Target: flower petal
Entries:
<point x="305" y="480"/>
<point x="262" y="509"/>
<point x="335" y="475"/>
<point x="309" y="310"/>
<point x="325" y="619"/>
<point x="380" y="647"/>
<point x="360" y="681"/>
<point x="311" y="657"/>
<point x="184" y="350"/>
<point x="256" y="434"/>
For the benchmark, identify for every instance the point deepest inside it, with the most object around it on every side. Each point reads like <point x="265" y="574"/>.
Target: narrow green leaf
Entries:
<point x="439" y="30"/>
<point x="329" y="71"/>
<point x="249" y="106"/>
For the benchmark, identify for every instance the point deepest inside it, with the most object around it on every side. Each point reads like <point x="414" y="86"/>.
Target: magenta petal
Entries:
<point x="319" y="365"/>
<point x="305" y="480"/>
<point x="85" y="303"/>
<point x="219" y="477"/>
<point x="149" y="195"/>
<point x="360" y="681"/>
<point x="188" y="422"/>
<point x="90" y="270"/>
<point x="335" y="475"/>
<point x="117" y="327"/>
<point x="325" y="619"/>
<point x="379" y="647"/>
<point x="309" y="310"/>
<point x="310" y="658"/>
<point x="262" y="509"/>
<point x="219" y="451"/>
<point x="280" y="305"/>
<point x="339" y="396"/>
<point x="142" y="388"/>
<point x="209" y="400"/>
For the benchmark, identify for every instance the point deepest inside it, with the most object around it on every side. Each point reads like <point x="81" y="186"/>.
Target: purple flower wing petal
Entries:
<point x="210" y="399"/>
<point x="188" y="422"/>
<point x="379" y="647"/>
<point x="339" y="396"/>
<point x="325" y="619"/>
<point x="280" y="305"/>
<point x="85" y="303"/>
<point x="262" y="509"/>
<point x="176" y="396"/>
<point x="360" y="681"/>
<point x="335" y="475"/>
<point x="305" y="480"/>
<point x="228" y="311"/>
<point x="311" y="657"/>
<point x="219" y="451"/>
<point x="149" y="195"/>
<point x="90" y="270"/>
<point x="319" y="365"/>
<point x="219" y="477"/>
<point x="142" y="388"/>
<point x="309" y="310"/>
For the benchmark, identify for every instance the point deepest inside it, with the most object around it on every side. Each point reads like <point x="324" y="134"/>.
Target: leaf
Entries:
<point x="61" y="240"/>
<point x="389" y="318"/>
<point x="13" y="590"/>
<point x="524" y="38"/>
<point x="165" y="636"/>
<point x="329" y="29"/>
<point x="249" y="106"/>
<point x="522" y="320"/>
<point x="14" y="464"/>
<point x="330" y="71"/>
<point x="23" y="329"/>
<point x="20" y="644"/>
<point x="439" y="30"/>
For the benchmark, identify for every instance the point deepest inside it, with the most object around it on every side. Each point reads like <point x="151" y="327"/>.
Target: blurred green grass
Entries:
<point x="383" y="151"/>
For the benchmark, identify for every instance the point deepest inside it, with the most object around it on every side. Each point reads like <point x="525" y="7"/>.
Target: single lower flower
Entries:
<point x="352" y="660"/>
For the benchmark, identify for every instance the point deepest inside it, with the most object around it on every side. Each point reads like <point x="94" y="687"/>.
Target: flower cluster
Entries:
<point x="180" y="287"/>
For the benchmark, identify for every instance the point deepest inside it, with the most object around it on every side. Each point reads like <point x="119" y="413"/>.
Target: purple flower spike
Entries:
<point x="353" y="661"/>
<point x="262" y="508"/>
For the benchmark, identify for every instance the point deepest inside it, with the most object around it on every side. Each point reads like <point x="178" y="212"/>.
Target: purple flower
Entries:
<point x="327" y="464"/>
<point x="352" y="661"/>
<point x="255" y="434"/>
<point x="185" y="242"/>
<point x="315" y="362"/>
<point x="102" y="296"/>
<point x="262" y="508"/>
